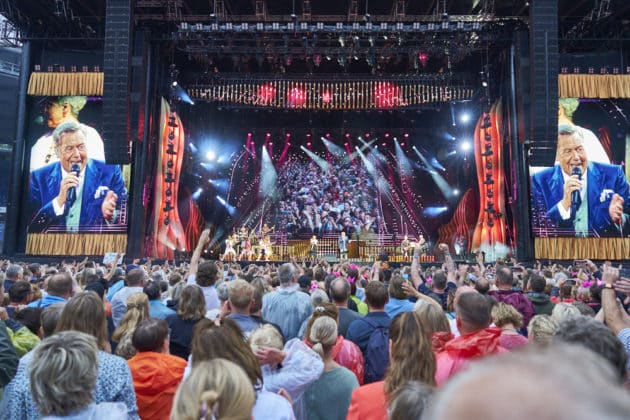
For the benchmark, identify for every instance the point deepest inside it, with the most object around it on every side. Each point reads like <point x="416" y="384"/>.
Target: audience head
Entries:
<point x="504" y="277"/>
<point x="21" y="292"/>
<point x="31" y="318"/>
<point x="410" y="401"/>
<point x="50" y="318"/>
<point x="260" y="289"/>
<point x="597" y="337"/>
<point x="215" y="389"/>
<point x="318" y="297"/>
<point x="482" y="285"/>
<point x="433" y="318"/>
<point x="323" y="309"/>
<point x="207" y="274"/>
<point x="411" y="353"/>
<point x="503" y="314"/>
<point x="63" y="373"/>
<point x="439" y="279"/>
<point x="473" y="312"/>
<point x="376" y="295"/>
<point x="266" y="336"/>
<point x="152" y="290"/>
<point x="562" y="311"/>
<point x="191" y="305"/>
<point x="84" y="312"/>
<point x="136" y="277"/>
<point x="323" y="336"/>
<point x="151" y="335"/>
<point x="14" y="272"/>
<point x="570" y="373"/>
<point x="137" y="311"/>
<point x="286" y="274"/>
<point x="241" y="296"/>
<point x="224" y="341"/>
<point x="340" y="290"/>
<point x="395" y="289"/>
<point x="537" y="283"/>
<point x="541" y="329"/>
<point x="60" y="285"/>
<point x="584" y="308"/>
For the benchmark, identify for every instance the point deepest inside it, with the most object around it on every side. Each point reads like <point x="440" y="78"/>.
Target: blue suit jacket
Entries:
<point x="548" y="189"/>
<point x="46" y="182"/>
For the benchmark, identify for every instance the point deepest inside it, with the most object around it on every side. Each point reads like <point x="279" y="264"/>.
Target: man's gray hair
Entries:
<point x="318" y="296"/>
<point x="63" y="373"/>
<point x="286" y="273"/>
<point x="222" y="291"/>
<point x="13" y="271"/>
<point x="67" y="127"/>
<point x="158" y="276"/>
<point x="570" y="130"/>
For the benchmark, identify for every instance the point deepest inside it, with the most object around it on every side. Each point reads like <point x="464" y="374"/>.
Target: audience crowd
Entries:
<point x="212" y="340"/>
<point x="337" y="197"/>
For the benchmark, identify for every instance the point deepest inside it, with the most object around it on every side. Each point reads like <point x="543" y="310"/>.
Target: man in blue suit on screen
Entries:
<point x="75" y="193"/>
<point x="582" y="197"/>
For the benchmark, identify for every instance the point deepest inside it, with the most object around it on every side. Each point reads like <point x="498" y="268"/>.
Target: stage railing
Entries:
<point x="367" y="248"/>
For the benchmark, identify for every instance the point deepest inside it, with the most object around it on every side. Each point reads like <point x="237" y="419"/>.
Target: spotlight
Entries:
<point x="386" y="135"/>
<point x="455" y="191"/>
<point x="484" y="83"/>
<point x="308" y="144"/>
<point x="406" y="135"/>
<point x="174" y="84"/>
<point x="464" y="118"/>
<point x="211" y="155"/>
<point x="465" y="146"/>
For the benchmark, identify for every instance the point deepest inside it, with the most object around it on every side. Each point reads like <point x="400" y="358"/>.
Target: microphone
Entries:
<point x="575" y="195"/>
<point x="72" y="192"/>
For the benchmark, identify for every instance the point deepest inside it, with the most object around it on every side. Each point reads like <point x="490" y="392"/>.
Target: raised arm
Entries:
<point x="415" y="275"/>
<point x="194" y="260"/>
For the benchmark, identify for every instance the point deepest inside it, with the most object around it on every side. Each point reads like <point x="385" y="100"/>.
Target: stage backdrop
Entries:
<point x="596" y="224"/>
<point x="231" y="170"/>
<point x="92" y="221"/>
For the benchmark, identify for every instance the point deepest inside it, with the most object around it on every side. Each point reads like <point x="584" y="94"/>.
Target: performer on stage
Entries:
<point x="460" y="245"/>
<point x="230" y="252"/>
<point x="266" y="230"/>
<point x="247" y="254"/>
<point x="265" y="249"/>
<point x="343" y="246"/>
<point x="405" y="245"/>
<point x="313" y="250"/>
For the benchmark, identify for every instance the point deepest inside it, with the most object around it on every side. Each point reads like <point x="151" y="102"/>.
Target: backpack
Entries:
<point x="376" y="353"/>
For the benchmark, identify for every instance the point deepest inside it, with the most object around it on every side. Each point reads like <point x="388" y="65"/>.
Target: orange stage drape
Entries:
<point x="65" y="84"/>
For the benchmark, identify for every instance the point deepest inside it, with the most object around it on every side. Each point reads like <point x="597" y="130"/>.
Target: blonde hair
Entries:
<point x="137" y="311"/>
<point x="503" y="313"/>
<point x="562" y="311"/>
<point x="240" y="293"/>
<point x="411" y="357"/>
<point x="541" y="329"/>
<point x="265" y="336"/>
<point x="322" y="309"/>
<point x="63" y="373"/>
<point x="215" y="389"/>
<point x="323" y="335"/>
